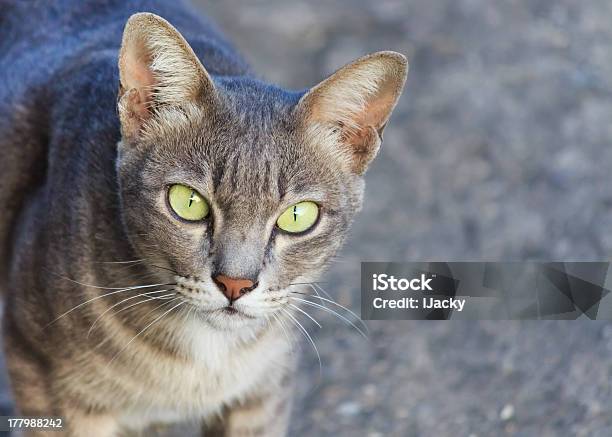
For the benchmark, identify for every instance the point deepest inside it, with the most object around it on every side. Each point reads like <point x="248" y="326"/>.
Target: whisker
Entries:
<point x="130" y="306"/>
<point x="306" y="283"/>
<point x="109" y="338"/>
<point x="164" y="268"/>
<point x="299" y="325"/>
<point x="143" y="330"/>
<point x="191" y="310"/>
<point x="129" y="267"/>
<point x="135" y="261"/>
<point x="315" y="289"/>
<point x="168" y="297"/>
<point x="306" y="314"/>
<point x="145" y="276"/>
<point x="335" y="313"/>
<point x="316" y="286"/>
<point x="311" y="286"/>
<point x="333" y="302"/>
<point x="98" y="286"/>
<point x="317" y="292"/>
<point x="100" y="297"/>
<point x="155" y="309"/>
<point x="278" y="318"/>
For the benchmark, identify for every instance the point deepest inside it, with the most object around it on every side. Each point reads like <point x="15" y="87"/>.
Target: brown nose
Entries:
<point x="234" y="288"/>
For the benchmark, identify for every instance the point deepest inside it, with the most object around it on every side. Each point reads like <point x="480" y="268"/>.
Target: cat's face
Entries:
<point x="233" y="180"/>
<point x="248" y="170"/>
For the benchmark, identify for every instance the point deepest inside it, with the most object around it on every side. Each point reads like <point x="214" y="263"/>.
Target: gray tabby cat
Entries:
<point x="153" y="243"/>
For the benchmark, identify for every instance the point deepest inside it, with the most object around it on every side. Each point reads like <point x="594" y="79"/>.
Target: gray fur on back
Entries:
<point x="86" y="167"/>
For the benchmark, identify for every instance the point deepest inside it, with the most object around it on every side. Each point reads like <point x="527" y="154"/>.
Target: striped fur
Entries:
<point x="112" y="317"/>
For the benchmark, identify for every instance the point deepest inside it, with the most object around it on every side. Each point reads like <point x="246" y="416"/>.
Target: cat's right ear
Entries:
<point x="347" y="112"/>
<point x="157" y="69"/>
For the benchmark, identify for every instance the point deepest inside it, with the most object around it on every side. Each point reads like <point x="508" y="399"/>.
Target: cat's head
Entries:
<point x="240" y="188"/>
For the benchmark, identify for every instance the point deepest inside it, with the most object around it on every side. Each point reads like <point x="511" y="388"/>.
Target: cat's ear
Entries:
<point x="347" y="112"/>
<point x="157" y="68"/>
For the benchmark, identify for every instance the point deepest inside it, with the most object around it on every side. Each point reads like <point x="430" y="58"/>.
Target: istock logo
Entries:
<point x="384" y="282"/>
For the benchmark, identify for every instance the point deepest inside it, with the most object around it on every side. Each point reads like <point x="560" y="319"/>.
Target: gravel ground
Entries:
<point x="496" y="151"/>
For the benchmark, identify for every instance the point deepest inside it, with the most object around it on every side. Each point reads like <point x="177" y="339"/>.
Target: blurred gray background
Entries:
<point x="500" y="149"/>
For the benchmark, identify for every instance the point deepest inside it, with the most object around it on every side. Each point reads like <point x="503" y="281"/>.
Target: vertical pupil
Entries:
<point x="191" y="197"/>
<point x="295" y="213"/>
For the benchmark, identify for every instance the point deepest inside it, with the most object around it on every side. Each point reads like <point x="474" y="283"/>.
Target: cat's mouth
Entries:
<point x="208" y="299"/>
<point x="232" y="311"/>
<point x="228" y="310"/>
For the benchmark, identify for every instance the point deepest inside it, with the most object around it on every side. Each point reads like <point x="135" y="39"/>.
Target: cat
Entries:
<point x="163" y="211"/>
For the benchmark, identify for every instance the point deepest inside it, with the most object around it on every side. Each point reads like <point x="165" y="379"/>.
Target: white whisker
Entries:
<point x="333" y="302"/>
<point x="135" y="261"/>
<point x="329" y="310"/>
<point x="143" y="330"/>
<point x="100" y="287"/>
<point x="157" y="308"/>
<point x="278" y="318"/>
<point x="120" y="290"/>
<point x="316" y="286"/>
<point x="129" y="306"/>
<point x="306" y="314"/>
<point x="299" y="325"/>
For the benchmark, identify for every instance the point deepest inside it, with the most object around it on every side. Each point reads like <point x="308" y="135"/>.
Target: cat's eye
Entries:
<point x="187" y="203"/>
<point x="299" y="217"/>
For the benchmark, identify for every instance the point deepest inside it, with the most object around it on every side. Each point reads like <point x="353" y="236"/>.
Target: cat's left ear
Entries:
<point x="157" y="68"/>
<point x="347" y="112"/>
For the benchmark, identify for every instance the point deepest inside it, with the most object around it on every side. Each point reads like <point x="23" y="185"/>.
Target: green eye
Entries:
<point x="299" y="217"/>
<point x="187" y="203"/>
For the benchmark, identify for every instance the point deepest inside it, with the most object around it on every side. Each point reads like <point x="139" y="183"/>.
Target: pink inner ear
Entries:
<point x="377" y="109"/>
<point x="363" y="146"/>
<point x="138" y="76"/>
<point x="138" y="103"/>
<point x="376" y="113"/>
<point x="365" y="140"/>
